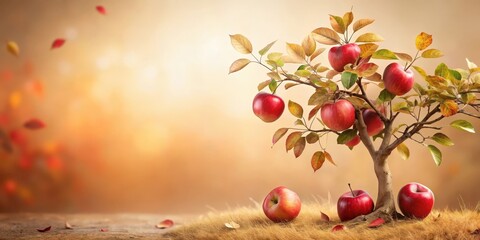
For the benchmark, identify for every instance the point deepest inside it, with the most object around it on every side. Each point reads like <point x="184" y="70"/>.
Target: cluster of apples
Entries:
<point x="340" y="115"/>
<point x="414" y="199"/>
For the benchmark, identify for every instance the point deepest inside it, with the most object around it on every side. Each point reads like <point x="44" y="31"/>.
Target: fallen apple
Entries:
<point x="282" y="205"/>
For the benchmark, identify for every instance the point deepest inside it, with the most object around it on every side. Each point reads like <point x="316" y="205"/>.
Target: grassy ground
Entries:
<point x="443" y="224"/>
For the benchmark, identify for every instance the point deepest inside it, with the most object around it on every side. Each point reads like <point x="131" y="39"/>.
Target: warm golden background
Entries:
<point x="143" y="117"/>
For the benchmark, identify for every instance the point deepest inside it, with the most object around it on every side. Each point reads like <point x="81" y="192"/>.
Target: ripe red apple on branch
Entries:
<point x="339" y="104"/>
<point x="268" y="107"/>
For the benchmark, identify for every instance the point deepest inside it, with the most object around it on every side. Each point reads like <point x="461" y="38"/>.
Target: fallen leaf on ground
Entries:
<point x="45" y="229"/>
<point x="436" y="218"/>
<point x="13" y="48"/>
<point x="34" y="124"/>
<point x="68" y="226"/>
<point x="57" y="43"/>
<point x="101" y="10"/>
<point x="167" y="223"/>
<point x="324" y="217"/>
<point x="376" y="223"/>
<point x="103" y="230"/>
<point x="339" y="227"/>
<point x="476" y="231"/>
<point x="232" y="225"/>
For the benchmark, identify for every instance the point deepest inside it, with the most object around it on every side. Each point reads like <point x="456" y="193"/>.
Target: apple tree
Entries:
<point x="339" y="104"/>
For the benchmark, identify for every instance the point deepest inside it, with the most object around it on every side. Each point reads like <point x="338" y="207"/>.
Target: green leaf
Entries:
<point x="463" y="125"/>
<point x="403" y="151"/>
<point x="455" y="74"/>
<point x="401" y="107"/>
<point x="348" y="79"/>
<point x="420" y="71"/>
<point x="295" y="109"/>
<point x="384" y="54"/>
<point x="264" y="50"/>
<point x="303" y="73"/>
<point x="273" y="85"/>
<point x="442" y="70"/>
<point x="312" y="137"/>
<point x="436" y="154"/>
<point x="432" y="53"/>
<point x="442" y="139"/>
<point x="292" y="140"/>
<point x="346" y="136"/>
<point x="385" y="96"/>
<point x="317" y="161"/>
<point x="279" y="134"/>
<point x="299" y="147"/>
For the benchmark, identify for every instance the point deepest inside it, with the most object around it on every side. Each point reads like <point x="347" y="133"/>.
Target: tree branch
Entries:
<point x="364" y="94"/>
<point x="362" y="132"/>
<point x="469" y="114"/>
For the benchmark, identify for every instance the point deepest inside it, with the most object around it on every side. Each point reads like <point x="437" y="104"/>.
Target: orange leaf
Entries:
<point x="317" y="161"/>
<point x="448" y="108"/>
<point x="34" y="124"/>
<point x="45" y="229"/>
<point x="299" y="147"/>
<point x="423" y="40"/>
<point x="167" y="223"/>
<point x="376" y="223"/>
<point x="58" y="43"/>
<point x="101" y="10"/>
<point x="13" y="48"/>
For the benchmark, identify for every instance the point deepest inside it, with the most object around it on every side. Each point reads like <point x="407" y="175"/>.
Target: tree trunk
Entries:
<point x="385" y="198"/>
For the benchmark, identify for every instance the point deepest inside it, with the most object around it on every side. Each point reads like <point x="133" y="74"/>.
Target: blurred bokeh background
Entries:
<point x="142" y="116"/>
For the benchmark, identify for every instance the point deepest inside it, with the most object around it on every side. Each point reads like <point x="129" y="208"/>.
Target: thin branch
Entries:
<point x="469" y="114"/>
<point x="364" y="94"/>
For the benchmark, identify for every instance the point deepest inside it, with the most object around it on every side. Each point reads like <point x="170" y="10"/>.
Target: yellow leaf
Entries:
<point x="432" y="53"/>
<point x="362" y="23"/>
<point x="367" y="49"/>
<point x="326" y="36"/>
<point x="423" y="40"/>
<point x="367" y="69"/>
<point x="263" y="84"/>
<point x="13" y="48"/>
<point x="403" y="150"/>
<point x="15" y="99"/>
<point x="274" y="76"/>
<point x="295" y="109"/>
<point x="369" y="37"/>
<point x="448" y="108"/>
<point x="420" y="71"/>
<point x="295" y="51"/>
<point x="347" y="19"/>
<point x="238" y="65"/>
<point x="316" y="53"/>
<point x="309" y="45"/>
<point x="337" y="24"/>
<point x="275" y="56"/>
<point x="241" y="43"/>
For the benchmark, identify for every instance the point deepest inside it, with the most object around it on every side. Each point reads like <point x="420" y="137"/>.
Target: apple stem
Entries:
<point x="353" y="194"/>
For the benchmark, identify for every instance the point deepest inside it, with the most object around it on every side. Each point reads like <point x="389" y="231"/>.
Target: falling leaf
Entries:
<point x="324" y="217"/>
<point x="232" y="225"/>
<point x="34" y="124"/>
<point x="101" y="10"/>
<point x="167" y="223"/>
<point x="68" y="226"/>
<point x="45" y="229"/>
<point x="13" y="48"/>
<point x="339" y="227"/>
<point x="103" y="229"/>
<point x="58" y="43"/>
<point x="376" y="223"/>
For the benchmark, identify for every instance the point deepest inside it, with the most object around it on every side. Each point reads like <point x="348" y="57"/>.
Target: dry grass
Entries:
<point x="254" y="225"/>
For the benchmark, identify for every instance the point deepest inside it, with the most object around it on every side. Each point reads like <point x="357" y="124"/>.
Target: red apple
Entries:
<point x="372" y="120"/>
<point x="268" y="107"/>
<point x="353" y="204"/>
<point x="415" y="200"/>
<point x="282" y="205"/>
<point x="343" y="55"/>
<point x="353" y="142"/>
<point x="339" y="115"/>
<point x="397" y="80"/>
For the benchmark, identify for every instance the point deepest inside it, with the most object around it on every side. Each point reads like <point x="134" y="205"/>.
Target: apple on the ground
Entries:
<point x="397" y="80"/>
<point x="415" y="200"/>
<point x="282" y="205"/>
<point x="353" y="204"/>
<point x="268" y="107"/>
<point x="374" y="123"/>
<point x="342" y="55"/>
<point x="339" y="115"/>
